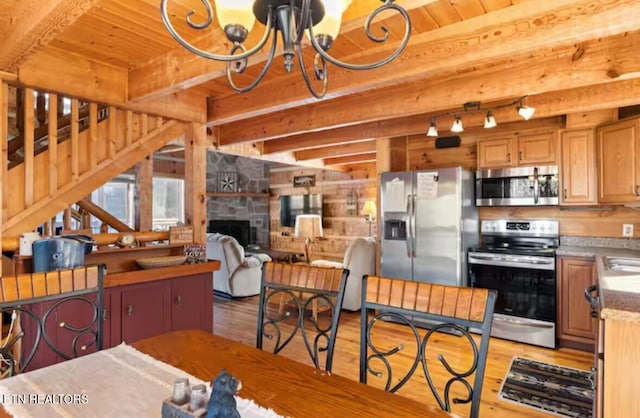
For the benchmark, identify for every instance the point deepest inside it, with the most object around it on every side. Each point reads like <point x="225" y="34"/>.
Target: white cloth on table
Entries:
<point x="118" y="382"/>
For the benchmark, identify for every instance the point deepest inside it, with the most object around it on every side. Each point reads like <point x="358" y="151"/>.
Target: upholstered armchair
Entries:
<point x="360" y="259"/>
<point x="238" y="276"/>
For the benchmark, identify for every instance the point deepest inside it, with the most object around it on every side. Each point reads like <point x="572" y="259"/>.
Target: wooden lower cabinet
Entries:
<point x="576" y="326"/>
<point x="143" y="310"/>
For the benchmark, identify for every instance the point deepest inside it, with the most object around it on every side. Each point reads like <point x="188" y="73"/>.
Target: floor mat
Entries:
<point x="558" y="390"/>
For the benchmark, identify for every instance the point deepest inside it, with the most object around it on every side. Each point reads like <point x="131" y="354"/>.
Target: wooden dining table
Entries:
<point x="289" y="388"/>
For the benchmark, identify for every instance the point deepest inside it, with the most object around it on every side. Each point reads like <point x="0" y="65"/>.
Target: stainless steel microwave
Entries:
<point x="517" y="186"/>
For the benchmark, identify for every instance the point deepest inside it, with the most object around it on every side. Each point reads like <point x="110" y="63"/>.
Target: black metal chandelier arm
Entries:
<point x="304" y="20"/>
<point x="227" y="58"/>
<point x="207" y="22"/>
<point x="389" y="5"/>
<point x="321" y="73"/>
<point x="263" y="72"/>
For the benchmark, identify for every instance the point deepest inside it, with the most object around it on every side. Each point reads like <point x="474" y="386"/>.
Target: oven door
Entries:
<point x="525" y="308"/>
<point x="520" y="186"/>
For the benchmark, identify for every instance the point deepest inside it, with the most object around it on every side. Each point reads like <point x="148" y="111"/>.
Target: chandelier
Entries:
<point x="525" y="112"/>
<point x="317" y="20"/>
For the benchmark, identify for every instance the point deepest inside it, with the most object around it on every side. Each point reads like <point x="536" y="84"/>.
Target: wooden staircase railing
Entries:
<point x="49" y="180"/>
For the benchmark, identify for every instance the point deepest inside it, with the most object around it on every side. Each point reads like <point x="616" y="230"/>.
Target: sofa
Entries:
<point x="360" y="259"/>
<point x="239" y="276"/>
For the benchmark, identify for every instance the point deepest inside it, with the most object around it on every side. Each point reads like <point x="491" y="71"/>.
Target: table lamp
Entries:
<point x="369" y="211"/>
<point x="310" y="228"/>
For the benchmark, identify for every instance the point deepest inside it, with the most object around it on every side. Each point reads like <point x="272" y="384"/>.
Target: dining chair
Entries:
<point x="50" y="309"/>
<point x="451" y="316"/>
<point x="292" y="298"/>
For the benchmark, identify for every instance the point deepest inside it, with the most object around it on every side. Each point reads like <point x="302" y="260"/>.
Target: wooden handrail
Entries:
<point x="13" y="243"/>
<point x="103" y="215"/>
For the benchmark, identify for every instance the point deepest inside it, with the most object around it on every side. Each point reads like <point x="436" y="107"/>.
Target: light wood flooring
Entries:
<point x="237" y="320"/>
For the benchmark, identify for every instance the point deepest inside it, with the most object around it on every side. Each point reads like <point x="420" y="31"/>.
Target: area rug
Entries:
<point x="557" y="390"/>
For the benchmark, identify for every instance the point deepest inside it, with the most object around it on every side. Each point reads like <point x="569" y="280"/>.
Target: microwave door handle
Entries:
<point x="414" y="225"/>
<point x="408" y="226"/>
<point x="536" y="186"/>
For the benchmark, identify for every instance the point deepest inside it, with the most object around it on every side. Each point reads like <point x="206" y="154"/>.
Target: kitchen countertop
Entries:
<point x="614" y="303"/>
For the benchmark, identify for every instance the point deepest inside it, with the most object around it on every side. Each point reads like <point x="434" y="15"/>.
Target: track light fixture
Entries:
<point x="526" y="112"/>
<point x="318" y="21"/>
<point x="490" y="121"/>
<point x="456" y="126"/>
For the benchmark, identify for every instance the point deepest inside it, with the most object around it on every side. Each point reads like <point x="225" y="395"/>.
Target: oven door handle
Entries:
<point x="510" y="260"/>
<point x="594" y="301"/>
<point x="521" y="322"/>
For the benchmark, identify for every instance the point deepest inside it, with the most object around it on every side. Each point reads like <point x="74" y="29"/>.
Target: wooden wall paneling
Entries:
<point x="195" y="155"/>
<point x="340" y="229"/>
<point x="591" y="119"/>
<point x="143" y="197"/>
<point x="28" y="108"/>
<point x="423" y="154"/>
<point x="53" y="143"/>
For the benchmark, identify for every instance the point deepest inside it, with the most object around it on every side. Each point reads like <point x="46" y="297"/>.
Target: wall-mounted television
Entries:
<point x="302" y="204"/>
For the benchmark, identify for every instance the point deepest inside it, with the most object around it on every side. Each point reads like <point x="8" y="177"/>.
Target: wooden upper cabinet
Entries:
<point x="537" y="149"/>
<point x="496" y="153"/>
<point x="520" y="150"/>
<point x="618" y="149"/>
<point x="578" y="168"/>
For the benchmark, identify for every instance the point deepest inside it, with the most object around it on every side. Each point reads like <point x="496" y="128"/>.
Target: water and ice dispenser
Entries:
<point x="395" y="229"/>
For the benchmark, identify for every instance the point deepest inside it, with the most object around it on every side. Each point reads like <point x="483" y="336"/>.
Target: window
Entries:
<point x="168" y="203"/>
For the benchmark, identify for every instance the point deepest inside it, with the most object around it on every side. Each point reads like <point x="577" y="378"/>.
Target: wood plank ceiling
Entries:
<point x="558" y="52"/>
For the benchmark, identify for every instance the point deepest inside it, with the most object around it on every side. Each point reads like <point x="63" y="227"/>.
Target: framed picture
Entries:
<point x="304" y="181"/>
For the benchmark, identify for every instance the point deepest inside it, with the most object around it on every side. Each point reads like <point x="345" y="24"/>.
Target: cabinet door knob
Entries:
<point x="178" y="300"/>
<point x="508" y="157"/>
<point x="104" y="314"/>
<point x="520" y="155"/>
<point x="637" y="190"/>
<point x="564" y="194"/>
<point x="130" y="310"/>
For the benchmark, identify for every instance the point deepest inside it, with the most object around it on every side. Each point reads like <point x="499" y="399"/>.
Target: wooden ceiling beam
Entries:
<point x="60" y="71"/>
<point x="336" y="151"/>
<point x="413" y="125"/>
<point x="586" y="64"/>
<point x="483" y="40"/>
<point x="350" y="159"/>
<point x="180" y="69"/>
<point x="34" y="24"/>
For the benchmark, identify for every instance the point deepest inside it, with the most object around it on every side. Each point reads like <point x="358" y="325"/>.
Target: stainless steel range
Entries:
<point x="517" y="258"/>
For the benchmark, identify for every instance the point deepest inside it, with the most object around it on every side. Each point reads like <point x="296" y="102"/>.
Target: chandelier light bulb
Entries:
<point x="235" y="12"/>
<point x="433" y="130"/>
<point x="490" y="121"/>
<point x="457" y="125"/>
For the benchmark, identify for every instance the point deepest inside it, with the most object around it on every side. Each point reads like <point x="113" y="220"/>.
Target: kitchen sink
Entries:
<point x="621" y="273"/>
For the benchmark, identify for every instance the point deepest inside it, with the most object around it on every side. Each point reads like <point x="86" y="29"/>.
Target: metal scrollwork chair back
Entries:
<point x="448" y="312"/>
<point x="292" y="298"/>
<point x="30" y="303"/>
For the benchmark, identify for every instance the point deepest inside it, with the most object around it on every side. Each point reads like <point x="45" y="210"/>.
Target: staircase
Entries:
<point x="52" y="173"/>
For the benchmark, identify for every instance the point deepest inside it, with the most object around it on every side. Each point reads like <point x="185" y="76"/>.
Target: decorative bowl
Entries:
<point x="166" y="261"/>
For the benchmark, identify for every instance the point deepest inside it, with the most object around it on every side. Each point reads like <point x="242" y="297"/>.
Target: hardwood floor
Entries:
<point x="237" y="320"/>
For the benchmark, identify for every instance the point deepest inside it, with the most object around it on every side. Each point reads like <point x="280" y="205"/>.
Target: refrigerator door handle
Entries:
<point x="409" y="238"/>
<point x="414" y="225"/>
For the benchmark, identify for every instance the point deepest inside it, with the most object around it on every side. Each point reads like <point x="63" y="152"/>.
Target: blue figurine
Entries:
<point x="222" y="404"/>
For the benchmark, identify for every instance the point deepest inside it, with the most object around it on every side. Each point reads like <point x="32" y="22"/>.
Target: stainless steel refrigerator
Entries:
<point x="429" y="219"/>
